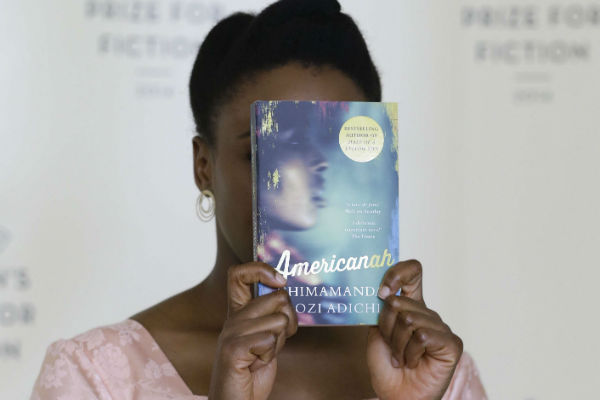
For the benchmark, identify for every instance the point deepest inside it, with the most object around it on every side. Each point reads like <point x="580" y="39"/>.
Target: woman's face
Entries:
<point x="227" y="168"/>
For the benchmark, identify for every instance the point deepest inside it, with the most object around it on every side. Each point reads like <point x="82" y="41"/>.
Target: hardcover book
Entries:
<point x="325" y="204"/>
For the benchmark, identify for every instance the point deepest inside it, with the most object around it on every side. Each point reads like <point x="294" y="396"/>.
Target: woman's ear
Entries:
<point x="202" y="163"/>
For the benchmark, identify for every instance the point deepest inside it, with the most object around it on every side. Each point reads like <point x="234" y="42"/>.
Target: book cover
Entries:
<point x="325" y="204"/>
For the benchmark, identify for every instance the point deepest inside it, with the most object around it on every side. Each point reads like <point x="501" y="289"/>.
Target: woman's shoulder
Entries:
<point x="106" y="342"/>
<point x="119" y="360"/>
<point x="466" y="382"/>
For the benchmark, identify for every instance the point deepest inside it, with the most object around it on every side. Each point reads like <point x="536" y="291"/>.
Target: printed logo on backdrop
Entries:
<point x="533" y="43"/>
<point x="15" y="311"/>
<point x="152" y="37"/>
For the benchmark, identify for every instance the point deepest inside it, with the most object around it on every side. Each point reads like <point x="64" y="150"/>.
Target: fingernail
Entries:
<point x="280" y="278"/>
<point x="395" y="362"/>
<point x="384" y="292"/>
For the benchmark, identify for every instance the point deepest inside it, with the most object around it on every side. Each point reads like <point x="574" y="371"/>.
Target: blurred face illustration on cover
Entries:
<point x="294" y="202"/>
<point x="226" y="166"/>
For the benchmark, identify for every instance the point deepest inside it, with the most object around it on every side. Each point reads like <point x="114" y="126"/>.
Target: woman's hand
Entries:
<point x="412" y="353"/>
<point x="252" y="336"/>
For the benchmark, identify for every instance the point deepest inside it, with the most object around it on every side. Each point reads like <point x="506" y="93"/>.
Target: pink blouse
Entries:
<point x="122" y="361"/>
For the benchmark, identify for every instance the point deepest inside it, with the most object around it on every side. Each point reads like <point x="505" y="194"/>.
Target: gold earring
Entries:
<point x="205" y="214"/>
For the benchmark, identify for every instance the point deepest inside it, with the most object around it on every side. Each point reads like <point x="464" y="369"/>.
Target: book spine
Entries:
<point x="253" y="109"/>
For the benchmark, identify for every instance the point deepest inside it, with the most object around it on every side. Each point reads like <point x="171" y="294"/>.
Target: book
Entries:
<point x="325" y="204"/>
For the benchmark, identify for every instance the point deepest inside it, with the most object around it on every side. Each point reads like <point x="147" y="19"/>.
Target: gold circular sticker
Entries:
<point x="361" y="138"/>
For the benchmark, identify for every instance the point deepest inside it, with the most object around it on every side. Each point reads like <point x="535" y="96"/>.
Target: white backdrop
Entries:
<point x="498" y="106"/>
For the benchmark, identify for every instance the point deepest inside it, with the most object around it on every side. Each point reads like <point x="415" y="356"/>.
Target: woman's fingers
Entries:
<point x="252" y="351"/>
<point x="241" y="278"/>
<point x="274" y="302"/>
<point x="406" y="275"/>
<point x="443" y="346"/>
<point x="401" y="334"/>
<point x="255" y="342"/>
<point x="276" y="323"/>
<point x="400" y="319"/>
<point x="409" y="328"/>
<point x="253" y="333"/>
<point x="409" y="312"/>
<point x="256" y="329"/>
<point x="407" y="323"/>
<point x="415" y="349"/>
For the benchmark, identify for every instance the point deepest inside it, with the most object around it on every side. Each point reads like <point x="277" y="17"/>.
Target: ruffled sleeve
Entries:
<point x="67" y="374"/>
<point x="465" y="383"/>
<point x="114" y="362"/>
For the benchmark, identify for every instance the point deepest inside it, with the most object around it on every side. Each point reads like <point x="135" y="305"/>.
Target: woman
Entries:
<point x="215" y="338"/>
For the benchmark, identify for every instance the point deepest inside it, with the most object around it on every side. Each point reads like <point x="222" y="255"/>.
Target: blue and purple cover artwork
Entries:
<point x="325" y="204"/>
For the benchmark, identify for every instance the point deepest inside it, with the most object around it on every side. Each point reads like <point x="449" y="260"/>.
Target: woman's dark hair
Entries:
<point x="312" y="32"/>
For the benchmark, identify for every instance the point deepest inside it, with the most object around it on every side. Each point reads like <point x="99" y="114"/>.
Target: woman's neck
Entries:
<point x="208" y="299"/>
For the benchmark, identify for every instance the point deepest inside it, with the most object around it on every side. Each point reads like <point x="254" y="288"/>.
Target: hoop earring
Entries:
<point x="205" y="214"/>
